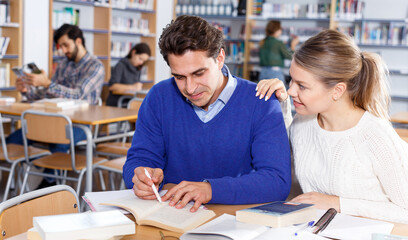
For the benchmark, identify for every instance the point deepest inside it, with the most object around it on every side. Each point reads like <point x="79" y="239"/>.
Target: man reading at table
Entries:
<point x="78" y="76"/>
<point x="205" y="131"/>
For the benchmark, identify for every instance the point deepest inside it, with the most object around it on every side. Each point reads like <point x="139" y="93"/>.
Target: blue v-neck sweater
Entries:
<point x="243" y="151"/>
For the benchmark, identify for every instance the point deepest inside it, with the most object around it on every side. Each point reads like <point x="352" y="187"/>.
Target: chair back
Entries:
<point x="135" y="103"/>
<point x="46" y="127"/>
<point x="16" y="214"/>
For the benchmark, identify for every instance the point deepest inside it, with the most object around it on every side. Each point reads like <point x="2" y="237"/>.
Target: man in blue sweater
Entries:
<point x="205" y="131"/>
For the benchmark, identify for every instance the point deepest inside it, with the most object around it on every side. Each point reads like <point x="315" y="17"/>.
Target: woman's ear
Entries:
<point x="339" y="90"/>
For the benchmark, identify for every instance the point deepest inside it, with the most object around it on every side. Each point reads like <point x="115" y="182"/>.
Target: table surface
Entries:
<point x="149" y="232"/>
<point x="401" y="117"/>
<point x="91" y="115"/>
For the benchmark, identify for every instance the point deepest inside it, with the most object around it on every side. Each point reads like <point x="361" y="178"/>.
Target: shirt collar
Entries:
<point x="85" y="58"/>
<point x="229" y="88"/>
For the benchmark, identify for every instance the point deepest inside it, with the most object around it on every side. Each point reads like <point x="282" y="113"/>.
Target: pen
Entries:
<point x="153" y="186"/>
<point x="324" y="221"/>
<point x="306" y="226"/>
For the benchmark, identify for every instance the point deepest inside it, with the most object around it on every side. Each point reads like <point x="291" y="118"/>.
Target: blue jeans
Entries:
<point x="269" y="72"/>
<point x="17" y="138"/>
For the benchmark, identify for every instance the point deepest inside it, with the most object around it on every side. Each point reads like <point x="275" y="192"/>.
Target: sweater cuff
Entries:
<point x="217" y="190"/>
<point x="347" y="206"/>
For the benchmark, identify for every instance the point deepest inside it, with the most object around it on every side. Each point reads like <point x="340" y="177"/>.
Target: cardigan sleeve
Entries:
<point x="390" y="164"/>
<point x="147" y="148"/>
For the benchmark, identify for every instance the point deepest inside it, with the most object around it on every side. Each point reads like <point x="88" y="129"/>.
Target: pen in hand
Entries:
<point x="153" y="186"/>
<point x="306" y="226"/>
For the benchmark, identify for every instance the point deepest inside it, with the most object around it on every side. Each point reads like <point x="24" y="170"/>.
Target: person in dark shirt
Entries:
<point x="126" y="74"/>
<point x="273" y="52"/>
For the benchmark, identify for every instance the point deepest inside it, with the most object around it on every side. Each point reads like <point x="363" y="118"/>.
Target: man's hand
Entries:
<point x="142" y="185"/>
<point x="184" y="192"/>
<point x="266" y="88"/>
<point x="37" y="80"/>
<point x="320" y="200"/>
<point x="20" y="85"/>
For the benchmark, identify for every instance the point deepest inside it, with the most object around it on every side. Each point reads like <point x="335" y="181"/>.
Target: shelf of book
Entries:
<point x="11" y="54"/>
<point x="107" y="25"/>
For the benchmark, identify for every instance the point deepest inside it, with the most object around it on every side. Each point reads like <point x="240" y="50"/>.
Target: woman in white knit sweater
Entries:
<point x="346" y="153"/>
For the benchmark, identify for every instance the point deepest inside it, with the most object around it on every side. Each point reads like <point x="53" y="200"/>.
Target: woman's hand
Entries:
<point x="320" y="200"/>
<point x="267" y="87"/>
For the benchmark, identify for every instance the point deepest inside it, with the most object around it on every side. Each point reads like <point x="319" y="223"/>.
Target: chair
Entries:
<point x="16" y="214"/>
<point x="117" y="149"/>
<point x="112" y="166"/>
<point x="13" y="155"/>
<point x="56" y="128"/>
<point x="403" y="133"/>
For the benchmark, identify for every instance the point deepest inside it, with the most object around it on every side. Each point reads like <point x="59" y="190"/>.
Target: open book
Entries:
<point x="151" y="212"/>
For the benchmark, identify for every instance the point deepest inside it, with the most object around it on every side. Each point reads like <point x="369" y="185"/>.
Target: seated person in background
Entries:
<point x="79" y="76"/>
<point x="273" y="52"/>
<point x="126" y="73"/>
<point x="347" y="154"/>
<point x="204" y="131"/>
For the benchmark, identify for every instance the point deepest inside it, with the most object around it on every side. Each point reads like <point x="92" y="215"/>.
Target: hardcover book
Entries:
<point x="278" y="214"/>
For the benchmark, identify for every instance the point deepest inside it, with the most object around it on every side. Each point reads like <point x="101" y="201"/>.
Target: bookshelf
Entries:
<point x="377" y="26"/>
<point x="107" y="26"/>
<point x="224" y="17"/>
<point x="11" y="28"/>
<point x="384" y="32"/>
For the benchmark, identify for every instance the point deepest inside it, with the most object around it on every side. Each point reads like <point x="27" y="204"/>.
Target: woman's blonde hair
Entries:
<point x="334" y="57"/>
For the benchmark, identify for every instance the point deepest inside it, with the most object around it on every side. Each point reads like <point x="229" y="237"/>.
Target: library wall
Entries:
<point x="164" y="11"/>
<point x="35" y="33"/>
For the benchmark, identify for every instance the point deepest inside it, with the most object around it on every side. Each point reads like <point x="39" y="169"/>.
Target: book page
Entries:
<point x="226" y="226"/>
<point x="95" y="198"/>
<point x="178" y="218"/>
<point x="344" y="226"/>
<point x="138" y="207"/>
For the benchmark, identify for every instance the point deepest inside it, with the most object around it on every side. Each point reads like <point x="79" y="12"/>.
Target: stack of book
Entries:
<point x="67" y="15"/>
<point x="87" y="225"/>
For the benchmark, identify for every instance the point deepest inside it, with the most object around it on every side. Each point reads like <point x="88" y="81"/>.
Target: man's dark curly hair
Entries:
<point x="190" y="33"/>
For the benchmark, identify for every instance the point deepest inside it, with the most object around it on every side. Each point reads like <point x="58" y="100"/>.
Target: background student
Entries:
<point x="273" y="52"/>
<point x="79" y="76"/>
<point x="347" y="155"/>
<point x="126" y="73"/>
<point x="203" y="130"/>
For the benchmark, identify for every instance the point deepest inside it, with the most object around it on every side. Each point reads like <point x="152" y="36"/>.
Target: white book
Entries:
<point x="226" y="227"/>
<point x="5" y="46"/>
<point x="87" y="225"/>
<point x="2" y="39"/>
<point x="344" y="226"/>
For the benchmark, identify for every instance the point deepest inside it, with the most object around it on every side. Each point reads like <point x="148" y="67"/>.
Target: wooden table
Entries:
<point x="91" y="115"/>
<point x="401" y="117"/>
<point x="149" y="232"/>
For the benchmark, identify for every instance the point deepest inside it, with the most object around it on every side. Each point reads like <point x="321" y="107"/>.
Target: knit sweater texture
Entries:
<point x="366" y="166"/>
<point x="243" y="151"/>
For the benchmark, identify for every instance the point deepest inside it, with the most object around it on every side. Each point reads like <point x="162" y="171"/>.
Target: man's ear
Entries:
<point x="79" y="41"/>
<point x="221" y="58"/>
